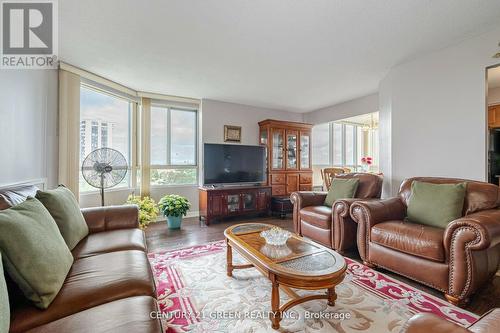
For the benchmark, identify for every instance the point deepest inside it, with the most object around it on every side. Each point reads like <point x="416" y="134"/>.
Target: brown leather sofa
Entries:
<point x="457" y="260"/>
<point x="426" y="322"/>
<point x="109" y="288"/>
<point x="332" y="226"/>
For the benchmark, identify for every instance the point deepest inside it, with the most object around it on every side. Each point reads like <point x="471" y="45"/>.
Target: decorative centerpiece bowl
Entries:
<point x="276" y="236"/>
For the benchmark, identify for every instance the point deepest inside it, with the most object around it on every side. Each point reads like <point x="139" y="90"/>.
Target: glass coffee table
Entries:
<point x="300" y="264"/>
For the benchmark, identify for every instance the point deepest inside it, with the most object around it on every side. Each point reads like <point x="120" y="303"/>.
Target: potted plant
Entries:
<point x="148" y="210"/>
<point x="174" y="207"/>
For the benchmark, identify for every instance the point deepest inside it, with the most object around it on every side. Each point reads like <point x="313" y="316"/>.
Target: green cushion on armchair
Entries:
<point x="62" y="205"/>
<point x="34" y="253"/>
<point x="341" y="189"/>
<point x="435" y="205"/>
<point x="4" y="302"/>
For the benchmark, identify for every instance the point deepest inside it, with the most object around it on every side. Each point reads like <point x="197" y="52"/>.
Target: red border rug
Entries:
<point x="194" y="295"/>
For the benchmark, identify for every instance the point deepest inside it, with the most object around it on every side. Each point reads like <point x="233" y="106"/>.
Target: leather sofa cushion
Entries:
<point x="320" y="235"/>
<point x="92" y="281"/>
<point x="415" y="239"/>
<point x="126" y="315"/>
<point x="110" y="241"/>
<point x="319" y="216"/>
<point x="478" y="195"/>
<point x="370" y="185"/>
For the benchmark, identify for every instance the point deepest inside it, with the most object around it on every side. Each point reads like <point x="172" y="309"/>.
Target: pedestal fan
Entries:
<point x="104" y="168"/>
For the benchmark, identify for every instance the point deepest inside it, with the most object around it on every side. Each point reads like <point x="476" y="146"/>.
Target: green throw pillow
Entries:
<point x="62" y="205"/>
<point x="34" y="253"/>
<point x="4" y="302"/>
<point x="341" y="189"/>
<point x="436" y="205"/>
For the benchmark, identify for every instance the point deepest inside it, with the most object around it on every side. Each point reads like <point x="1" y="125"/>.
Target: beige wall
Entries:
<point x="355" y="107"/>
<point x="28" y="126"/>
<point x="216" y="114"/>
<point x="433" y="113"/>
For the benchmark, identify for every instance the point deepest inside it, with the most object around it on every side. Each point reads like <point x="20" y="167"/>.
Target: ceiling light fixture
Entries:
<point x="497" y="55"/>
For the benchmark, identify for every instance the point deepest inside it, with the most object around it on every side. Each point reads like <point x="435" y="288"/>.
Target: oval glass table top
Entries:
<point x="299" y="256"/>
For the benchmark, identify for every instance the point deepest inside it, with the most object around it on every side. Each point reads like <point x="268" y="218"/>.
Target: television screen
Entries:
<point x="228" y="164"/>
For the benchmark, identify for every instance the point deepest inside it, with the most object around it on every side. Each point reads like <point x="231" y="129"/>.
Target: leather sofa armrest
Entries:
<point x="344" y="227"/>
<point x="111" y="217"/>
<point x="482" y="229"/>
<point x="375" y="211"/>
<point x="369" y="213"/>
<point x="342" y="207"/>
<point x="488" y="323"/>
<point x="472" y="233"/>
<point x="304" y="199"/>
<point x="426" y="322"/>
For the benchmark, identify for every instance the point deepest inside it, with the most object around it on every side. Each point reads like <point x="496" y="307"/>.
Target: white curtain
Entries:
<point x="69" y="130"/>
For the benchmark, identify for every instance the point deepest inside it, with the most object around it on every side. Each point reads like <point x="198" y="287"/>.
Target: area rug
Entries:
<point x="195" y="295"/>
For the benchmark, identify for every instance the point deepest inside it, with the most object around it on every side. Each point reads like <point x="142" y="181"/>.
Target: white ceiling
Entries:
<point x="494" y="78"/>
<point x="293" y="55"/>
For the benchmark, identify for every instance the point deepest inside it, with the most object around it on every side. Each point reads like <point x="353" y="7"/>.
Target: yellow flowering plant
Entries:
<point x="148" y="209"/>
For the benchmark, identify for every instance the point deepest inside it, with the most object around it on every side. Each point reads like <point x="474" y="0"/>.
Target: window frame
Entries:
<point x="357" y="163"/>
<point x="133" y="165"/>
<point x="169" y="165"/>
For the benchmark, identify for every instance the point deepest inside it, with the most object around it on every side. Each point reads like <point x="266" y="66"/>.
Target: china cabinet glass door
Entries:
<point x="278" y="149"/>
<point x="291" y="145"/>
<point x="305" y="146"/>
<point x="263" y="136"/>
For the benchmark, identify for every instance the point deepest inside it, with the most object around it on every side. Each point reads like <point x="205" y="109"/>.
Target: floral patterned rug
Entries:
<point x="195" y="295"/>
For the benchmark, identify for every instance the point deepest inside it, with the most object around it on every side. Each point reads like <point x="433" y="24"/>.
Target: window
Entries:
<point x="321" y="144"/>
<point x="350" y="145"/>
<point x="338" y="139"/>
<point x="105" y="121"/>
<point x="173" y="146"/>
<point x="344" y="143"/>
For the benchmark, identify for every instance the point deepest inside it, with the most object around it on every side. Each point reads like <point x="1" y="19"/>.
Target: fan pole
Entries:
<point x="102" y="189"/>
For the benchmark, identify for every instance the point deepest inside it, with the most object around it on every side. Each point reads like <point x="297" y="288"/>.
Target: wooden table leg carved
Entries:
<point x="229" y="259"/>
<point x="277" y="310"/>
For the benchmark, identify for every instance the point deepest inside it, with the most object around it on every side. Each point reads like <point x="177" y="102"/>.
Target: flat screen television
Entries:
<point x="232" y="164"/>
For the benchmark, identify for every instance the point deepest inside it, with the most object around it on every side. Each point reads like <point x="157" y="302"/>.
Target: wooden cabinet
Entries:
<point x="494" y="116"/>
<point x="227" y="201"/>
<point x="288" y="155"/>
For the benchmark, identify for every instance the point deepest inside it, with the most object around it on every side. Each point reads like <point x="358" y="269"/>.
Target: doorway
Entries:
<point x="493" y="139"/>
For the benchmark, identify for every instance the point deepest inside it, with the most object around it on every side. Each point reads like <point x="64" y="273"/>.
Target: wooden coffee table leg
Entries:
<point x="229" y="259"/>
<point x="275" y="305"/>
<point x="332" y="296"/>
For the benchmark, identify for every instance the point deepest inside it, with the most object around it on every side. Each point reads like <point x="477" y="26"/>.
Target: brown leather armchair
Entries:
<point x="332" y="226"/>
<point x="457" y="260"/>
<point x="426" y="322"/>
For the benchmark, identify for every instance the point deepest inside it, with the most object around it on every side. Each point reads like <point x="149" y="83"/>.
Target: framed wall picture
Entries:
<point x="232" y="133"/>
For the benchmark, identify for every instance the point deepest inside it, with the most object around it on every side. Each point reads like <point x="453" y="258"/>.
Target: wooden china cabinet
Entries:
<point x="289" y="165"/>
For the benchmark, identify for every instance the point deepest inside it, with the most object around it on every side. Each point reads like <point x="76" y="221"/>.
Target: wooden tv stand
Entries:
<point x="221" y="202"/>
